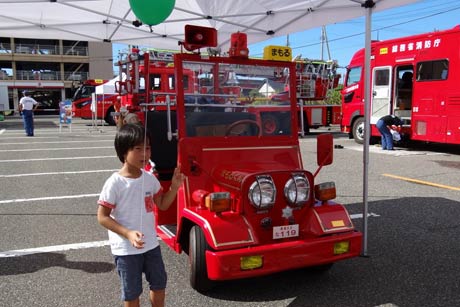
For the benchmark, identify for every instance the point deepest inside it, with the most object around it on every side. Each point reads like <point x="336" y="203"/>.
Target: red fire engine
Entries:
<point x="82" y="102"/>
<point x="248" y="207"/>
<point x="314" y="78"/>
<point x="148" y="77"/>
<point x="413" y="77"/>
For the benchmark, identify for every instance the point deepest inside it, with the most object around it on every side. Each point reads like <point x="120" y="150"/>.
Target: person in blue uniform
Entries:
<point x="27" y="105"/>
<point x="385" y="125"/>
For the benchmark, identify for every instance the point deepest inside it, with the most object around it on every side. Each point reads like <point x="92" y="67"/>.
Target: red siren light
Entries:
<point x="239" y="46"/>
<point x="197" y="37"/>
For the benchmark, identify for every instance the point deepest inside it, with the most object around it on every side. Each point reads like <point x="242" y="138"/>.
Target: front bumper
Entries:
<point x="225" y="265"/>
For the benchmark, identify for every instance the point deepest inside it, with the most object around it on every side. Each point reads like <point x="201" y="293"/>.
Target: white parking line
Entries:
<point x="59" y="173"/>
<point x="55" y="149"/>
<point x="66" y="247"/>
<point x="49" y="249"/>
<point x="22" y="200"/>
<point x="57" y="142"/>
<point x="360" y="215"/>
<point x="53" y="159"/>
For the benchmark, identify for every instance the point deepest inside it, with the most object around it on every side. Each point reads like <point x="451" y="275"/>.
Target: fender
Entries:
<point x="325" y="219"/>
<point x="222" y="231"/>
<point x="356" y="114"/>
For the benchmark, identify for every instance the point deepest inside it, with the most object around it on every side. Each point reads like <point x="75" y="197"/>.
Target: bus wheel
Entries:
<point x="198" y="272"/>
<point x="109" y="118"/>
<point x="358" y="130"/>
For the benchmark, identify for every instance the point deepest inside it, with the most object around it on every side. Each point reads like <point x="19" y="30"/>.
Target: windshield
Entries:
<point x="237" y="100"/>
<point x="353" y="75"/>
<point x="84" y="91"/>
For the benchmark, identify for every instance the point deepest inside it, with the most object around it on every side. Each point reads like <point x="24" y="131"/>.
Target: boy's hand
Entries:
<point x="136" y="238"/>
<point x="177" y="179"/>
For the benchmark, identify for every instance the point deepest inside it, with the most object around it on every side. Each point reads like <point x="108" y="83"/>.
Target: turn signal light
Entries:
<point x="325" y="191"/>
<point x="218" y="202"/>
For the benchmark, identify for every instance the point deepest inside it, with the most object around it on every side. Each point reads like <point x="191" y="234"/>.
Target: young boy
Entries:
<point x="126" y="210"/>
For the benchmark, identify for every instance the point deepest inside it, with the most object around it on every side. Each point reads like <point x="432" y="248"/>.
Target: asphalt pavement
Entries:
<point x="54" y="253"/>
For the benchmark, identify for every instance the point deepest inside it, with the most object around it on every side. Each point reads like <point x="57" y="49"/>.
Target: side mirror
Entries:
<point x="324" y="152"/>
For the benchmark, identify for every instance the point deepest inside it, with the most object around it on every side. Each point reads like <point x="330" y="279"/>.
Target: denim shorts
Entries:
<point x="131" y="267"/>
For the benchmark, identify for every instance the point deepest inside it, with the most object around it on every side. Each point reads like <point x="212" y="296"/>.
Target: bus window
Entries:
<point x="172" y="85"/>
<point x="432" y="70"/>
<point x="171" y="82"/>
<point x="382" y="77"/>
<point x="155" y="82"/>
<point x="354" y="75"/>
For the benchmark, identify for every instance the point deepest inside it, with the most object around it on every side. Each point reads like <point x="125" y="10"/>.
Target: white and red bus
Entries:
<point x="415" y="78"/>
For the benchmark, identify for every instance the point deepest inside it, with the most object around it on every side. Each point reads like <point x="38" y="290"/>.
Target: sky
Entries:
<point x="345" y="38"/>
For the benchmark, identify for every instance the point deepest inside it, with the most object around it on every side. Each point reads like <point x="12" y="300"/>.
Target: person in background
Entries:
<point x="127" y="118"/>
<point x="131" y="118"/>
<point x="27" y="105"/>
<point x="126" y="209"/>
<point x="385" y="125"/>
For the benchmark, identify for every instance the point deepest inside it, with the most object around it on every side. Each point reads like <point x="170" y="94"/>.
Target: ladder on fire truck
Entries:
<point x="309" y="71"/>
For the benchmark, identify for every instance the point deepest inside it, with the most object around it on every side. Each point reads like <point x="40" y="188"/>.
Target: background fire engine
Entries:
<point x="413" y="77"/>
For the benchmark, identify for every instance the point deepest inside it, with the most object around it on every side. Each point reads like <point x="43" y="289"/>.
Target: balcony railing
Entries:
<point x="50" y="75"/>
<point x="78" y="51"/>
<point x="5" y="48"/>
<point x="75" y="76"/>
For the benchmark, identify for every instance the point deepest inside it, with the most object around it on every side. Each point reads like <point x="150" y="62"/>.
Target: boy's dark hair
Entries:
<point x="128" y="136"/>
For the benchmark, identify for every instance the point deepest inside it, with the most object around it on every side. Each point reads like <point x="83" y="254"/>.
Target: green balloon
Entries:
<point x="152" y="12"/>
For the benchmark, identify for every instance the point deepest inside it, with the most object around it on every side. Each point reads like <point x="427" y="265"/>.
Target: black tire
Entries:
<point x="358" y="130"/>
<point x="198" y="272"/>
<point x="109" y="118"/>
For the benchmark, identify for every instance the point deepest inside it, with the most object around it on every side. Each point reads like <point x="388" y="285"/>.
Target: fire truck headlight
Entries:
<point x="262" y="193"/>
<point x="297" y="190"/>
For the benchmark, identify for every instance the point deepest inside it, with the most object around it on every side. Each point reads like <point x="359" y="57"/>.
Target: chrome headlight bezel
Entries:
<point x="262" y="192"/>
<point x="297" y="190"/>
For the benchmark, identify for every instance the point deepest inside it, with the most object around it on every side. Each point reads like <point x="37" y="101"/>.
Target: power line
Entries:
<point x="382" y="28"/>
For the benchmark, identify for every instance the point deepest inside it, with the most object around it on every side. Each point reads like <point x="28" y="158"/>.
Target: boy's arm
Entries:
<point x="104" y="218"/>
<point x="165" y="200"/>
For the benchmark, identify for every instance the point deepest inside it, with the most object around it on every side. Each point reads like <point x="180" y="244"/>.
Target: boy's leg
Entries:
<point x="156" y="276"/>
<point x="157" y="298"/>
<point x="130" y="271"/>
<point x="133" y="303"/>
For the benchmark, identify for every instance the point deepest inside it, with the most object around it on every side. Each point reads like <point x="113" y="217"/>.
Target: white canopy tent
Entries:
<point x="112" y="21"/>
<point x="108" y="88"/>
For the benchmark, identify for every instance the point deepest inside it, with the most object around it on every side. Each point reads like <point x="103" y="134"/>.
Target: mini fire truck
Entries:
<point x="247" y="207"/>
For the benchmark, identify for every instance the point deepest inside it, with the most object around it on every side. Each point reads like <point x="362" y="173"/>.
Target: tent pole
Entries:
<point x="369" y="4"/>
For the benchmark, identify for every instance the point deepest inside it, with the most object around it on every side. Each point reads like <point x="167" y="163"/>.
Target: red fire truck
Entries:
<point x="413" y="77"/>
<point x="148" y="77"/>
<point x="314" y="78"/>
<point x="82" y="100"/>
<point x="247" y="207"/>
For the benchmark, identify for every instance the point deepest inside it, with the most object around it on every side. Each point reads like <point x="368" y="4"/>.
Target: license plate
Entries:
<point x="287" y="231"/>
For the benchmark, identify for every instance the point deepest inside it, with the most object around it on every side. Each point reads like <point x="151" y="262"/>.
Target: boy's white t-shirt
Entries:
<point x="131" y="201"/>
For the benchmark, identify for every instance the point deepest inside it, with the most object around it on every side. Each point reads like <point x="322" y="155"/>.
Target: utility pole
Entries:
<point x="324" y="41"/>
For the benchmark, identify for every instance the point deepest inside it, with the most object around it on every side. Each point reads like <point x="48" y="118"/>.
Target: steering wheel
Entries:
<point x="233" y="126"/>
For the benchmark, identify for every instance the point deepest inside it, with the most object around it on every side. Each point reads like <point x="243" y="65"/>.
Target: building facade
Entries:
<point x="49" y="69"/>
